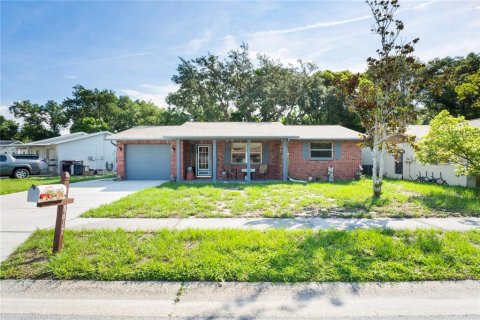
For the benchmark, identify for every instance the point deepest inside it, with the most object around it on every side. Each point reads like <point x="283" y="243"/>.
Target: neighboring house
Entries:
<point x="8" y="146"/>
<point x="211" y="149"/>
<point x="93" y="149"/>
<point x="407" y="167"/>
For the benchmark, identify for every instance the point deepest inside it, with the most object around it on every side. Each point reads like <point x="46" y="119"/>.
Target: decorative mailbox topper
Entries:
<point x="54" y="195"/>
<point x="47" y="193"/>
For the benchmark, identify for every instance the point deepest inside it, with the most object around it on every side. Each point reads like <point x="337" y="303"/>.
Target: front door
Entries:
<point x="204" y="162"/>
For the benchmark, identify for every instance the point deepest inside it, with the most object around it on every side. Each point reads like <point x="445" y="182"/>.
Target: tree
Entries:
<point x="36" y="120"/>
<point x="55" y="117"/>
<point x="89" y="125"/>
<point x="8" y="129"/>
<point x="452" y="140"/>
<point x="100" y="105"/>
<point x="383" y="97"/>
<point x="468" y="92"/>
<point x="211" y="89"/>
<point x="450" y="83"/>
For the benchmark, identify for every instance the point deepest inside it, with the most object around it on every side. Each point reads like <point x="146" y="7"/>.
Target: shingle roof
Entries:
<point x="145" y="133"/>
<point x="59" y="138"/>
<point x="475" y="122"/>
<point x="63" y="139"/>
<point x="237" y="130"/>
<point x="417" y="130"/>
<point x="421" y="130"/>
<point x="324" y="132"/>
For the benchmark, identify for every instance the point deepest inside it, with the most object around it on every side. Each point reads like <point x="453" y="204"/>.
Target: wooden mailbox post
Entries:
<point x="61" y="208"/>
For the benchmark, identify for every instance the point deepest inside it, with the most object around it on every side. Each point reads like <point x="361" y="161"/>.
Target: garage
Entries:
<point x="147" y="161"/>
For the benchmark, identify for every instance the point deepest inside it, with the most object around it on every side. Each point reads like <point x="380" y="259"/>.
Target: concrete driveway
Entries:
<point x="19" y="218"/>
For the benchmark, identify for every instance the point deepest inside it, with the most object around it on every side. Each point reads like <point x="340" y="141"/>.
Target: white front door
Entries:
<point x="204" y="162"/>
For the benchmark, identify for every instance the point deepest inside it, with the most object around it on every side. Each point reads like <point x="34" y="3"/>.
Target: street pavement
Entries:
<point x="45" y="299"/>
<point x="20" y="218"/>
<point x="457" y="224"/>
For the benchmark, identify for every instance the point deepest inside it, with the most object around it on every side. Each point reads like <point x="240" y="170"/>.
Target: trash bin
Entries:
<point x="66" y="166"/>
<point x="78" y="168"/>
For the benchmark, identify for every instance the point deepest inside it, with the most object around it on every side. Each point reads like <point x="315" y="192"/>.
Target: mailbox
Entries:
<point x="47" y="193"/>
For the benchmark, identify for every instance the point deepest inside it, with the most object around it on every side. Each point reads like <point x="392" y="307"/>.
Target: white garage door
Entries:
<point x="147" y="161"/>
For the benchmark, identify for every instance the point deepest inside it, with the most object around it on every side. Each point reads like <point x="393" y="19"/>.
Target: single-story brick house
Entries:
<point x="236" y="150"/>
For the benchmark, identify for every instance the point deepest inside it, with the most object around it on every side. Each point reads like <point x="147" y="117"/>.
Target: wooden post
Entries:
<point x="61" y="217"/>
<point x="249" y="177"/>
<point x="284" y="159"/>
<point x="214" y="164"/>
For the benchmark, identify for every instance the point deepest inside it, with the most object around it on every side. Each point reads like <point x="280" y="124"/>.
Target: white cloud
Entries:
<point x="322" y="24"/>
<point x="99" y="59"/>
<point x="151" y="92"/>
<point x="424" y="4"/>
<point x="198" y="43"/>
<point x="5" y="112"/>
<point x="70" y="77"/>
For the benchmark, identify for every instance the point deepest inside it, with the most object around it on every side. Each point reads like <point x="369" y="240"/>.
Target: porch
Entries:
<point x="231" y="160"/>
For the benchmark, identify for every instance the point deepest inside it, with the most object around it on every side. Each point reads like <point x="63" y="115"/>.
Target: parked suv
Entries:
<point x="20" y="166"/>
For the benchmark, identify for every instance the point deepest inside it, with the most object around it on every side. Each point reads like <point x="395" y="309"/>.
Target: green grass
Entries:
<point x="250" y="255"/>
<point x="344" y="199"/>
<point x="8" y="185"/>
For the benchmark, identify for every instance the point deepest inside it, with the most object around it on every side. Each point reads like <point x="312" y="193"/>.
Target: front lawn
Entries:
<point x="250" y="255"/>
<point x="8" y="185"/>
<point x="343" y="199"/>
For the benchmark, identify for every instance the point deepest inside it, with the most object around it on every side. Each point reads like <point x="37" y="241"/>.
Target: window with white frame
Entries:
<point x="321" y="150"/>
<point x="239" y="152"/>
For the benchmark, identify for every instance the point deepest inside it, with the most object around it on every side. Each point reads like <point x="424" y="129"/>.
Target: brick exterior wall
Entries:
<point x="299" y="168"/>
<point x="344" y="168"/>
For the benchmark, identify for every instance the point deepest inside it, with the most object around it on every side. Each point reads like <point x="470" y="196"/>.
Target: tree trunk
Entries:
<point x="375" y="156"/>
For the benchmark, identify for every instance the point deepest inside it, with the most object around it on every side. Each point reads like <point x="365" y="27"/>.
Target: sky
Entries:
<point x="133" y="47"/>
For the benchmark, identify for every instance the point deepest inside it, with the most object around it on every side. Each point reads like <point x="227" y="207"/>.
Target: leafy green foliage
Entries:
<point x="238" y="89"/>
<point x="450" y="84"/>
<point x="469" y="91"/>
<point x="8" y="129"/>
<point x="249" y="255"/>
<point x="343" y="199"/>
<point x="88" y="110"/>
<point x="39" y="121"/>
<point x="452" y="140"/>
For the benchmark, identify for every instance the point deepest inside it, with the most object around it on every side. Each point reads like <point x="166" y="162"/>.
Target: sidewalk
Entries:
<point x="457" y="224"/>
<point x="47" y="299"/>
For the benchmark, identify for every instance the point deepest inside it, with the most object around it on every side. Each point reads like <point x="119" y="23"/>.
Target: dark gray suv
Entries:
<point x="20" y="167"/>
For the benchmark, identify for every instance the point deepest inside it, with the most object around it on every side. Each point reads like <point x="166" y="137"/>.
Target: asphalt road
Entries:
<point x="55" y="317"/>
<point x="202" y="300"/>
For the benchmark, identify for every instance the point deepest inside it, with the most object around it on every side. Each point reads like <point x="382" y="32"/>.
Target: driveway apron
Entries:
<point x="19" y="218"/>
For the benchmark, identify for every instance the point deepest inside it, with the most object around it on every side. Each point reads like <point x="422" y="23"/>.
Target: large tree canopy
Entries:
<point x="451" y="84"/>
<point x="88" y="110"/>
<point x="39" y="121"/>
<point x="238" y="88"/>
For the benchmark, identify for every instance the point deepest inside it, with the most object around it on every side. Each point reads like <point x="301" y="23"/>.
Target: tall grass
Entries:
<point x="249" y="255"/>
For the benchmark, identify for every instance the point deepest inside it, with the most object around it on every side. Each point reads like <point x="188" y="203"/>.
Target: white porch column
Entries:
<point x="249" y="142"/>
<point x="214" y="162"/>
<point x="285" y="159"/>
<point x="178" y="160"/>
